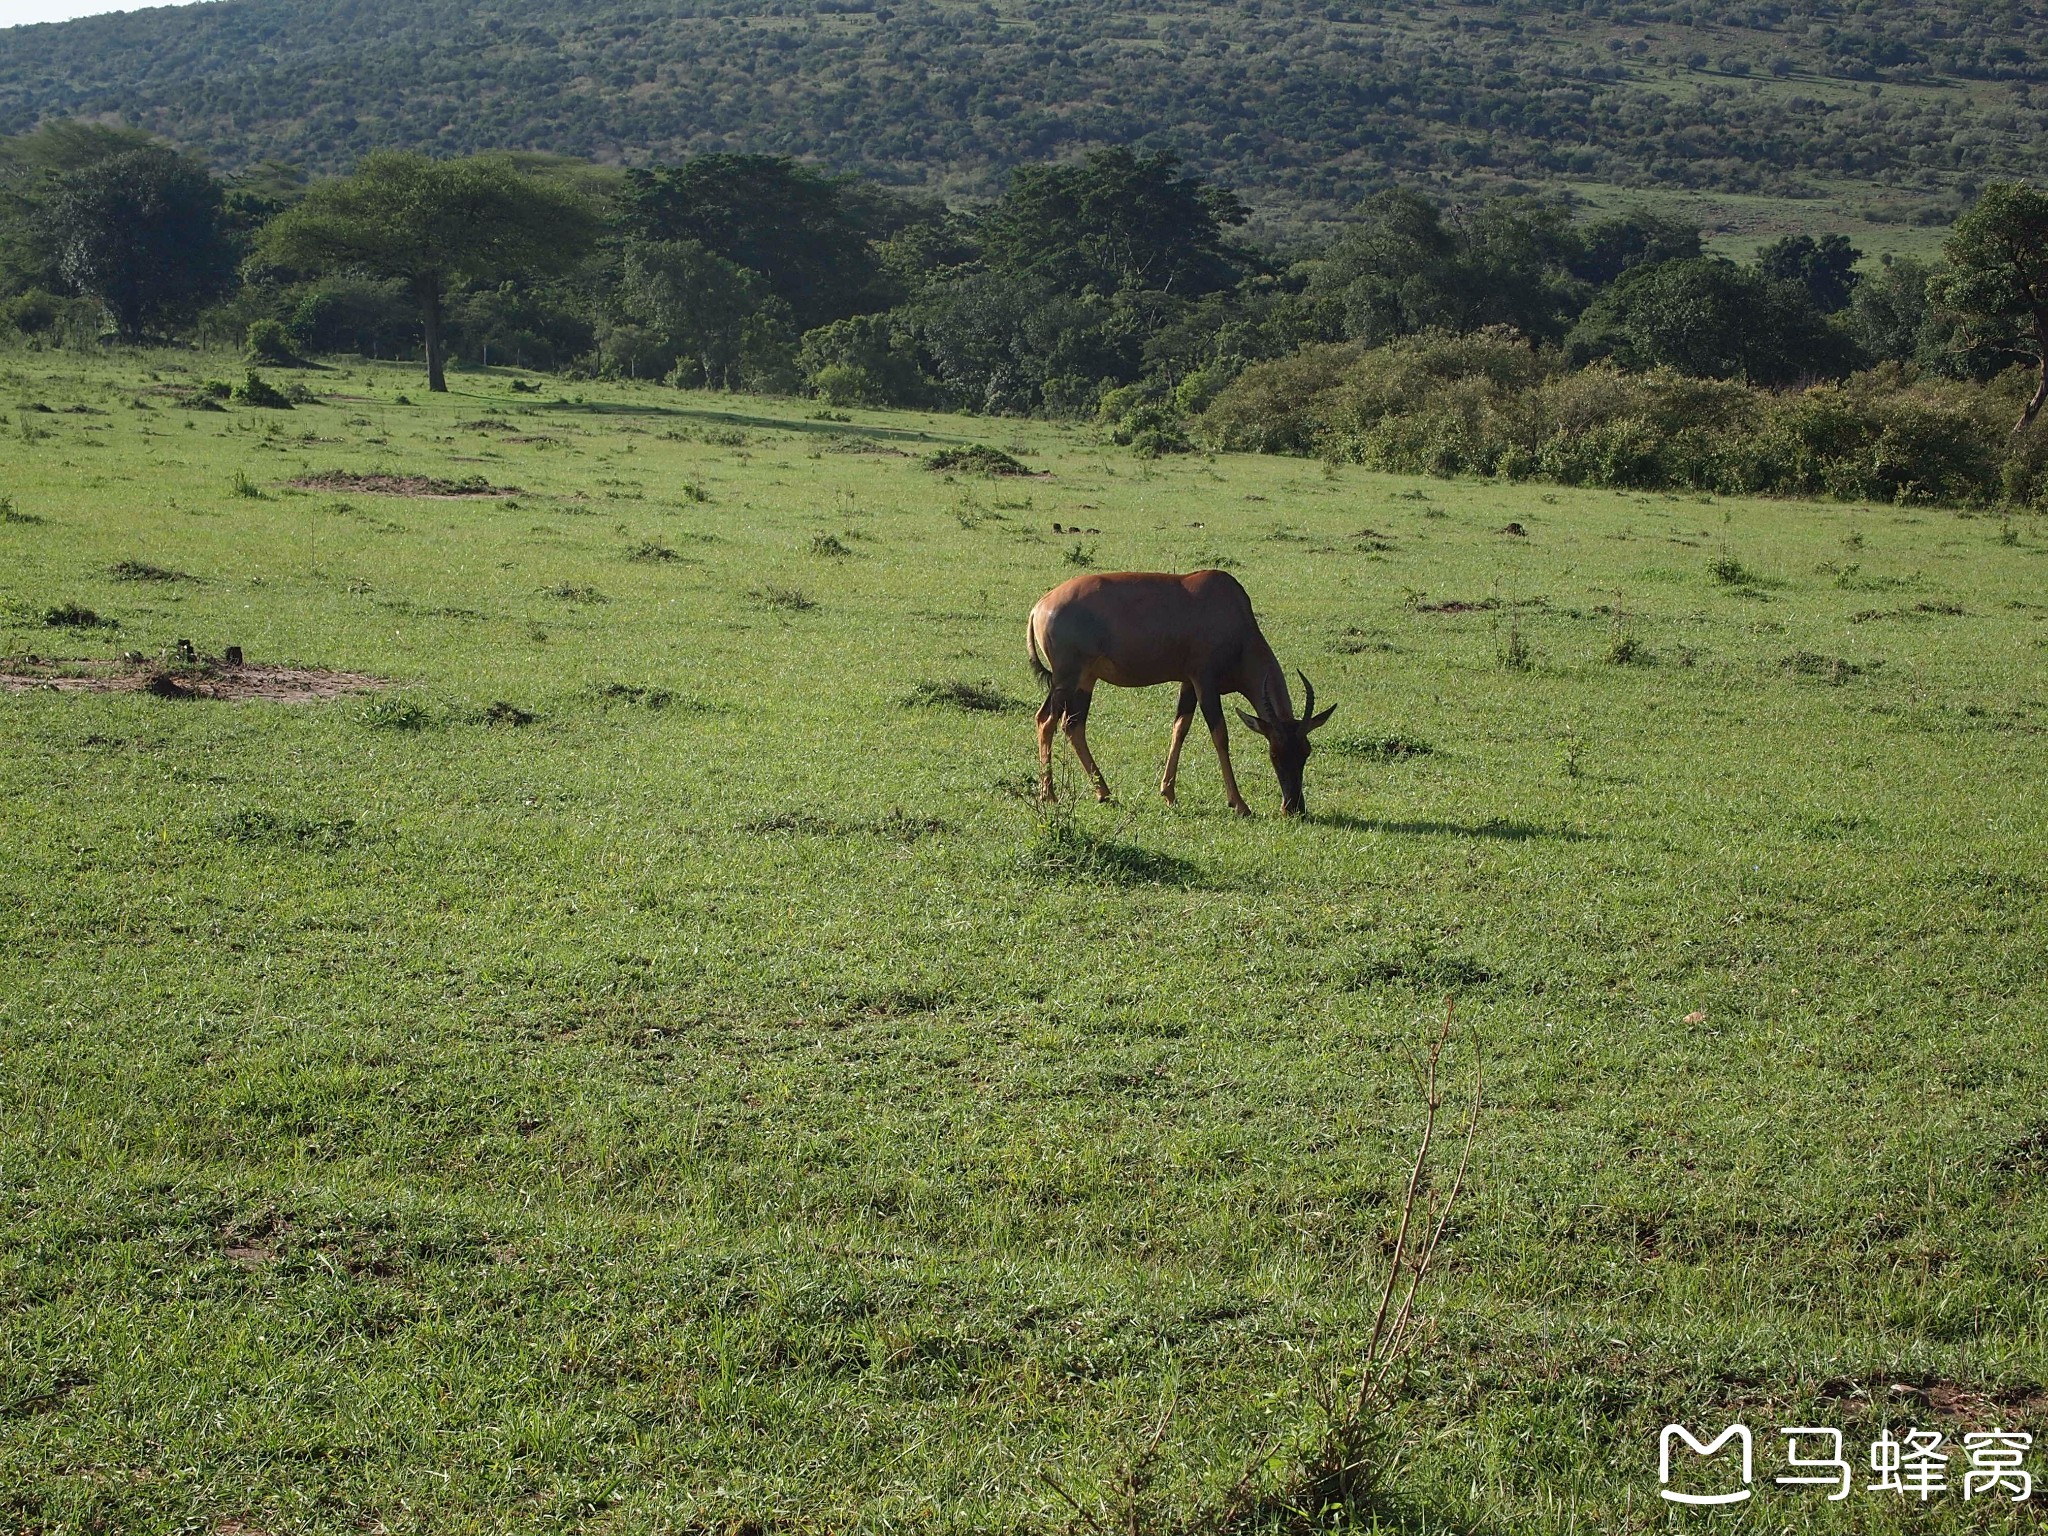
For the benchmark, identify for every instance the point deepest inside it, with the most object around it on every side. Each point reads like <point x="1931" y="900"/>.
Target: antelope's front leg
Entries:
<point x="1212" y="716"/>
<point x="1183" y="717"/>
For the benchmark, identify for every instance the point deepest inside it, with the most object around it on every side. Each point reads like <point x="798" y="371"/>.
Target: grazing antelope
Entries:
<point x="1137" y="628"/>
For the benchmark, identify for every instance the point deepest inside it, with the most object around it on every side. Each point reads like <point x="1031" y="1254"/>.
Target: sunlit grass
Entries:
<point x="723" y="1096"/>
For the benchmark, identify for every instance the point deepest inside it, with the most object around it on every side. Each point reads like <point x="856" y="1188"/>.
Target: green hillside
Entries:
<point x="1884" y="111"/>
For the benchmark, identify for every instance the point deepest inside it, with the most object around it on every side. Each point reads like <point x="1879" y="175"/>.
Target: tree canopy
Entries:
<point x="143" y="231"/>
<point x="1712" y="319"/>
<point x="1997" y="282"/>
<point x="1115" y="221"/>
<point x="1825" y="268"/>
<point x="430" y="223"/>
<point x="804" y="233"/>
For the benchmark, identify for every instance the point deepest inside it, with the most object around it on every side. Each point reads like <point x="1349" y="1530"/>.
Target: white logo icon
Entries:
<point x="1674" y="1432"/>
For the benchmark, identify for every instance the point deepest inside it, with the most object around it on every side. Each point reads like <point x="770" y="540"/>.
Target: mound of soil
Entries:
<point x="402" y="485"/>
<point x="201" y="680"/>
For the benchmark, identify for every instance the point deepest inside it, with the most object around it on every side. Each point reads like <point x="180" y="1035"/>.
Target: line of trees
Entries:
<point x="1117" y="285"/>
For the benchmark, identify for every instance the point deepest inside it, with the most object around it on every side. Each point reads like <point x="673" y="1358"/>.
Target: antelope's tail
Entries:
<point x="1031" y="645"/>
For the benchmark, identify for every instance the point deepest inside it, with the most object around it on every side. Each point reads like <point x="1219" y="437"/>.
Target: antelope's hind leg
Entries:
<point x="1183" y="717"/>
<point x="1077" y="733"/>
<point x="1049" y="714"/>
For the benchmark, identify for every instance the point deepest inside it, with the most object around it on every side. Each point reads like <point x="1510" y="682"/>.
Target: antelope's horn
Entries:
<point x="1309" y="704"/>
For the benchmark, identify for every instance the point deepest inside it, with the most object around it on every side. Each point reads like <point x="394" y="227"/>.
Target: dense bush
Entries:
<point x="1487" y="404"/>
<point x="862" y="360"/>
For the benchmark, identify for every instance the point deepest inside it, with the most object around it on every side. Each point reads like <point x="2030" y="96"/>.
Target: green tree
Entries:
<point x="1714" y="320"/>
<point x="1611" y="246"/>
<point x="1825" y="268"/>
<point x="1402" y="269"/>
<point x="681" y="310"/>
<point x="1395" y="271"/>
<point x="1997" y="282"/>
<point x="1115" y="221"/>
<point x="1889" y="316"/>
<point x="143" y="232"/>
<point x="862" y="360"/>
<point x="433" y="224"/>
<point x="804" y="233"/>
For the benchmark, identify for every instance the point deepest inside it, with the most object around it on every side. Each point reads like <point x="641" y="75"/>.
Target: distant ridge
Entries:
<point x="1301" y="105"/>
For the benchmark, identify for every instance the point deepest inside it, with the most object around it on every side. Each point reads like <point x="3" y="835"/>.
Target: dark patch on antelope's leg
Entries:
<point x="1212" y="716"/>
<point x="1077" y="733"/>
<point x="1183" y="717"/>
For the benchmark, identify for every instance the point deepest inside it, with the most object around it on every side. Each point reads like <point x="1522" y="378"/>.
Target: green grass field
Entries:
<point x="724" y="1102"/>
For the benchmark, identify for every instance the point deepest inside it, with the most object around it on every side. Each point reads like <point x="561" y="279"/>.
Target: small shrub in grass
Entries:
<point x="395" y="712"/>
<point x="75" y="616"/>
<point x="1832" y="670"/>
<point x="569" y="592"/>
<point x="641" y="697"/>
<point x="503" y="712"/>
<point x="142" y="570"/>
<point x="1512" y="650"/>
<point x="216" y="389"/>
<point x="1731" y="572"/>
<point x="1079" y="554"/>
<point x="10" y="513"/>
<point x="954" y="693"/>
<point x="243" y="486"/>
<point x="1378" y="749"/>
<point x="1627" y="650"/>
<point x="976" y="459"/>
<point x="830" y="546"/>
<point x="270" y="343"/>
<point x="652" y="552"/>
<point x="786" y="599"/>
<point x="258" y="391"/>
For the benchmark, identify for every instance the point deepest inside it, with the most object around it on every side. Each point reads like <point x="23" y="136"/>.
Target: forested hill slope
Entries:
<point x="1296" y="103"/>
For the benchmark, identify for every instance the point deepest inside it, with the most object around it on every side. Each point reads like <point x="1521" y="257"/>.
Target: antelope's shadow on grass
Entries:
<point x="1496" y="828"/>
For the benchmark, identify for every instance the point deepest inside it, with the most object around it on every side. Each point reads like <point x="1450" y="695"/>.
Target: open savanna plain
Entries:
<point x="650" y="1066"/>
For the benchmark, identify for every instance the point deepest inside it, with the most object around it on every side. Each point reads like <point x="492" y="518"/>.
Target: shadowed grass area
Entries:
<point x="725" y="1098"/>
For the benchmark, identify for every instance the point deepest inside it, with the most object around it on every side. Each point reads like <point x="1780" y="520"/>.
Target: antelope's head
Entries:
<point x="1287" y="741"/>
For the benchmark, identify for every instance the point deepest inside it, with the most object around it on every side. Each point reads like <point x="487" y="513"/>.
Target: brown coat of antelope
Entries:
<point x="1134" y="629"/>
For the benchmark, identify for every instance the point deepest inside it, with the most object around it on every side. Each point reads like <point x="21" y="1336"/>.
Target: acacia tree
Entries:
<point x="1997" y="282"/>
<point x="433" y="224"/>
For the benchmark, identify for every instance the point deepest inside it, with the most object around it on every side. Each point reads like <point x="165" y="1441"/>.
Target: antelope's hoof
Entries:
<point x="1102" y="797"/>
<point x="1242" y="809"/>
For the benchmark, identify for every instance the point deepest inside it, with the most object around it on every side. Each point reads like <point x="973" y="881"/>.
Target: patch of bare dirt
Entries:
<point x="203" y="679"/>
<point x="402" y="485"/>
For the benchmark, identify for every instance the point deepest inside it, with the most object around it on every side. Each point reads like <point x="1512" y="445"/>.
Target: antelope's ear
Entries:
<point x="1252" y="722"/>
<point x="1317" y="719"/>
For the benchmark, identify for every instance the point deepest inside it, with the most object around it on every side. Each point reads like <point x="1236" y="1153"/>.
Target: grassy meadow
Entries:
<point x="652" y="1068"/>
